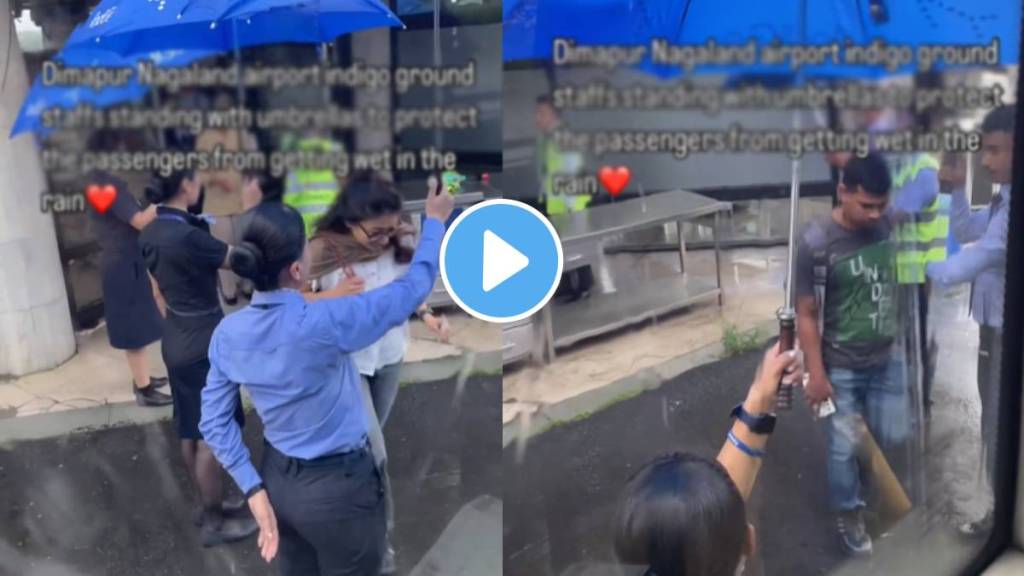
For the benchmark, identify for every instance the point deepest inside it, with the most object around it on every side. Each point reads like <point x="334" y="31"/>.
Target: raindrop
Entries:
<point x="460" y="381"/>
<point x="522" y="436"/>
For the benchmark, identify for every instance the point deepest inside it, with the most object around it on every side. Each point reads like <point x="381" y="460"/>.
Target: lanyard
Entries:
<point x="178" y="217"/>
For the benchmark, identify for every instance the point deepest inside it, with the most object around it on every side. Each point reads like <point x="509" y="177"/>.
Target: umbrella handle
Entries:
<point x="787" y="341"/>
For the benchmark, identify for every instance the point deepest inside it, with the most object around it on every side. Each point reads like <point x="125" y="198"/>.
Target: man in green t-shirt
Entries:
<point x="847" y="324"/>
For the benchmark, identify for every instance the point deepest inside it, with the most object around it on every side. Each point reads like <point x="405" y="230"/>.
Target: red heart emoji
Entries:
<point x="614" y="180"/>
<point x="101" y="197"/>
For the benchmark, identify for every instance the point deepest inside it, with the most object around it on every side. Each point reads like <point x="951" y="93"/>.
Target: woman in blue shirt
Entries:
<point x="318" y="493"/>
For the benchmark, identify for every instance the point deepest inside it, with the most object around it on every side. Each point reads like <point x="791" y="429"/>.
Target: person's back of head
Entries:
<point x="681" y="515"/>
<point x="273" y="242"/>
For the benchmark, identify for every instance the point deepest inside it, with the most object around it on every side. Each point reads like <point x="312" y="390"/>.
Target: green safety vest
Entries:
<point x="312" y="192"/>
<point x="924" y="238"/>
<point x="551" y="161"/>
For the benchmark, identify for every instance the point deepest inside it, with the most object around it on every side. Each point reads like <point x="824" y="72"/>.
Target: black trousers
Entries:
<point x="330" y="513"/>
<point x="990" y="358"/>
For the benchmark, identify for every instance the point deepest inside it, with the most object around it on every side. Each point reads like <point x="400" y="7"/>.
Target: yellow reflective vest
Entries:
<point x="312" y="192"/>
<point x="923" y="238"/>
<point x="552" y="162"/>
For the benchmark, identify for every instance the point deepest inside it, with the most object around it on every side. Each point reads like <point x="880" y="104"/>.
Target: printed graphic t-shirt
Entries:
<point x="852" y="273"/>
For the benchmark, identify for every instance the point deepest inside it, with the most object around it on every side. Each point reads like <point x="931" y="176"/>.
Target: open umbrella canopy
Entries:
<point x="531" y="26"/>
<point x="41" y="98"/>
<point x="131" y="27"/>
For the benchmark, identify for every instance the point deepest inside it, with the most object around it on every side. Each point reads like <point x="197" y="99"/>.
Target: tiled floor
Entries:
<point x="99" y="375"/>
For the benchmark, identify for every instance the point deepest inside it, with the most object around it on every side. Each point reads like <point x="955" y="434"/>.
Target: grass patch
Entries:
<point x="628" y="395"/>
<point x="738" y="342"/>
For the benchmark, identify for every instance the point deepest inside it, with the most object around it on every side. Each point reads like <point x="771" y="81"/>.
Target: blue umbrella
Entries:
<point x="532" y="25"/>
<point x="41" y="98"/>
<point x="135" y="26"/>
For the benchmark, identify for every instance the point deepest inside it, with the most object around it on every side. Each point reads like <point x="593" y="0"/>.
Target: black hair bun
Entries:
<point x="248" y="261"/>
<point x="155" y="193"/>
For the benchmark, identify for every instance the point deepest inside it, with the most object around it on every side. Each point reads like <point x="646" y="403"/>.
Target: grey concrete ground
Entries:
<point x="560" y="510"/>
<point x="114" y="502"/>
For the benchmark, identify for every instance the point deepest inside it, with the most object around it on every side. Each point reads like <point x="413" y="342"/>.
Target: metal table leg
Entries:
<point x="682" y="247"/>
<point x="718" y="256"/>
<point x="548" y="332"/>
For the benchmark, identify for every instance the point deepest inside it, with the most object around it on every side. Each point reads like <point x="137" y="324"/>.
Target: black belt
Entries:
<point x="194" y="313"/>
<point x="325" y="460"/>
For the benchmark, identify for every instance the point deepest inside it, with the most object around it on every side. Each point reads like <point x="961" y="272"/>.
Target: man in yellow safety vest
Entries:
<point x="312" y="191"/>
<point x="552" y="161"/>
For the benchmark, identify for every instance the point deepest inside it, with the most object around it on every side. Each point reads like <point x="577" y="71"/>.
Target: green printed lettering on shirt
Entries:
<point x="866" y="285"/>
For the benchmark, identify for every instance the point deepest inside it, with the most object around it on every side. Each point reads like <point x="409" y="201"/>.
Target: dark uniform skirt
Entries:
<point x="185" y="346"/>
<point x="133" y="319"/>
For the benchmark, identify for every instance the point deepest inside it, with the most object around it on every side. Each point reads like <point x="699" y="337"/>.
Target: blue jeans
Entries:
<point x="875" y="396"/>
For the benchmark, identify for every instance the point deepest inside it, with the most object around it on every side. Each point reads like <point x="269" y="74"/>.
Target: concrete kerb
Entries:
<point x="41" y="426"/>
<point x="585" y="405"/>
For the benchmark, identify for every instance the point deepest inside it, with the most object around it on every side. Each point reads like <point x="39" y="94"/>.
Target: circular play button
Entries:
<point x="501" y="261"/>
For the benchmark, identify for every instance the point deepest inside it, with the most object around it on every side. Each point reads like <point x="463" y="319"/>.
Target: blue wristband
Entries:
<point x="752" y="452"/>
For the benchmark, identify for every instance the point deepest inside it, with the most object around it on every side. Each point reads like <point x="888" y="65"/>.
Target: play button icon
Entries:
<point x="501" y="261"/>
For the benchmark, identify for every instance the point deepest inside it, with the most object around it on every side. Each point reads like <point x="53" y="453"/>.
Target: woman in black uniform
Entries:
<point x="184" y="258"/>
<point x="133" y="319"/>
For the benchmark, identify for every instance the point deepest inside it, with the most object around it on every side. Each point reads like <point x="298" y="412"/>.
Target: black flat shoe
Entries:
<point x="234" y="508"/>
<point x="158" y="383"/>
<point x="151" y="397"/>
<point x="230" y="530"/>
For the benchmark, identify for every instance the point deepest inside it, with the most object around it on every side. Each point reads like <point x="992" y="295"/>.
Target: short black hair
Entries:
<point x="162" y="189"/>
<point x="545" y="100"/>
<point x="682" y="515"/>
<point x="870" y="173"/>
<point x="999" y="120"/>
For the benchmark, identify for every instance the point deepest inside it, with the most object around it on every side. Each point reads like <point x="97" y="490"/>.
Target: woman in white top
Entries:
<point x="361" y="244"/>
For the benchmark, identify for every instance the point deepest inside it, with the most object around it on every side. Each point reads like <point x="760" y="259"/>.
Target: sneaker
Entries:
<point x="978" y="528"/>
<point x="150" y="396"/>
<point x="229" y="530"/>
<point x="853" y="535"/>
<point x="387" y="565"/>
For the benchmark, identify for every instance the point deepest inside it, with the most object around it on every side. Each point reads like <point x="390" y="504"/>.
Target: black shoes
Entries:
<point x="158" y="382"/>
<point x="226" y="530"/>
<point x="230" y="508"/>
<point x="150" y="396"/>
<point x="853" y="534"/>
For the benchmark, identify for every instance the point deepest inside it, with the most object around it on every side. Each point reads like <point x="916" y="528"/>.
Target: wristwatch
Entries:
<point x="763" y="424"/>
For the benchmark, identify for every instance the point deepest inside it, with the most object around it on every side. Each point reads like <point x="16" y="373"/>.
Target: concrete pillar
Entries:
<point x="373" y="49"/>
<point x="35" y="323"/>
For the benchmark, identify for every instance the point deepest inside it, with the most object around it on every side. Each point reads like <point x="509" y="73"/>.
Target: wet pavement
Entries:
<point x="559" y="515"/>
<point x="115" y="502"/>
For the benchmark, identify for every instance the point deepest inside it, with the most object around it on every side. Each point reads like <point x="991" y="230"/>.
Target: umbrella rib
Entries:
<point x="682" y="20"/>
<point x="860" y="18"/>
